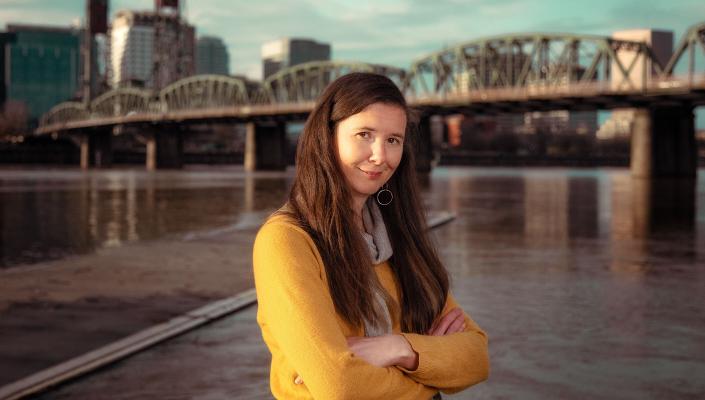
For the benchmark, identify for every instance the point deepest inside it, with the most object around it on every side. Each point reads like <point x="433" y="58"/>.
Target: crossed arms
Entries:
<point x="298" y="319"/>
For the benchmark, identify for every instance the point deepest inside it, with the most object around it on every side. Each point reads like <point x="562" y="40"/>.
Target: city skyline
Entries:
<point x="386" y="32"/>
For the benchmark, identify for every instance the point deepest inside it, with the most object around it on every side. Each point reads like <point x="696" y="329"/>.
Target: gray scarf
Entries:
<point x="377" y="239"/>
<point x="375" y="233"/>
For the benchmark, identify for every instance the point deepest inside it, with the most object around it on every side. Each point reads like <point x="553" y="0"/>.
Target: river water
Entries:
<point x="49" y="214"/>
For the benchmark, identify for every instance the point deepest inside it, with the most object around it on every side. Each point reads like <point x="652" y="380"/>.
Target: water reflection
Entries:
<point x="72" y="213"/>
<point x="565" y="213"/>
<point x="544" y="208"/>
<point x="49" y="214"/>
<point x="583" y="207"/>
<point x="652" y="220"/>
<point x="546" y="211"/>
<point x="663" y="207"/>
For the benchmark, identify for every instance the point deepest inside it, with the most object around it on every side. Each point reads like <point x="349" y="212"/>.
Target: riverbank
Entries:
<point x="53" y="311"/>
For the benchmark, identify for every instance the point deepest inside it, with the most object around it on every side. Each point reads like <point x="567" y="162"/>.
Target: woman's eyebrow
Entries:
<point x="368" y="129"/>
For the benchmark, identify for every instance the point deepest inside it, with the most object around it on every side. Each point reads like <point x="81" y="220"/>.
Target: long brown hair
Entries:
<point x="320" y="203"/>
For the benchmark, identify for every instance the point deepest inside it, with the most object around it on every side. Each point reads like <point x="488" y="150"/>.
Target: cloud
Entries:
<point x="359" y="11"/>
<point x="36" y="12"/>
<point x="385" y="32"/>
<point x="603" y="18"/>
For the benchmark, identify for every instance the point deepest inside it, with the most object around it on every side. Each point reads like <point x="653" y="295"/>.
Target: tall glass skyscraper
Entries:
<point x="212" y="56"/>
<point x="43" y="66"/>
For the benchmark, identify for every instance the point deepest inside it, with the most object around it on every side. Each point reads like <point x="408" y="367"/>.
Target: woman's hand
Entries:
<point x="391" y="350"/>
<point x="384" y="351"/>
<point x="453" y="322"/>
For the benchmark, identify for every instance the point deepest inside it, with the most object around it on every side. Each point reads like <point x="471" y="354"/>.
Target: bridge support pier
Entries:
<point x="663" y="143"/>
<point x="96" y="148"/>
<point x="165" y="148"/>
<point x="423" y="146"/>
<point x="84" y="145"/>
<point x="265" y="146"/>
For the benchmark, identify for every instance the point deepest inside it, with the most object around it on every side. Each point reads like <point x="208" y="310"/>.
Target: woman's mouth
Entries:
<point x="372" y="174"/>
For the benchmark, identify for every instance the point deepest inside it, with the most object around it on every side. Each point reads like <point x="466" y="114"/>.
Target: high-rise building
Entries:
<point x="212" y="56"/>
<point x="42" y="66"/>
<point x="150" y="48"/>
<point x="287" y="52"/>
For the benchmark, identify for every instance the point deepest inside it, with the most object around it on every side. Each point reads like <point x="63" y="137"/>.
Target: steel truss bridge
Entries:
<point x="508" y="73"/>
<point x="504" y="73"/>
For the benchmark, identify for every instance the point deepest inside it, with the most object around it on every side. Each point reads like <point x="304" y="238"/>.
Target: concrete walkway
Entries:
<point x="54" y="311"/>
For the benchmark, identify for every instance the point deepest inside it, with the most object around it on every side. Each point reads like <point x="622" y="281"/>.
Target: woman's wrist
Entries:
<point x="408" y="358"/>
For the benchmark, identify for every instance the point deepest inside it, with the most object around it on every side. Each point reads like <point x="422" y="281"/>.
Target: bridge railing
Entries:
<point x="685" y="81"/>
<point x="584" y="89"/>
<point x="66" y="113"/>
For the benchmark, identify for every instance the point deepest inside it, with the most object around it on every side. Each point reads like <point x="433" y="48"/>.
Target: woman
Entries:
<point x="353" y="300"/>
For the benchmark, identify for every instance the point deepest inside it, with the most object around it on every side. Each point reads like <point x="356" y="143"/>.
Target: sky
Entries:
<point x="393" y="32"/>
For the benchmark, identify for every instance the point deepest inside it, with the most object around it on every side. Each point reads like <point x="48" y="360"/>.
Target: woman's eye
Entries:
<point x="364" y="135"/>
<point x="394" y="140"/>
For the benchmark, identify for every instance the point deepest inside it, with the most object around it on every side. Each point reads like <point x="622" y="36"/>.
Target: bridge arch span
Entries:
<point x="527" y="60"/>
<point x="122" y="101"/>
<point x="65" y="112"/>
<point x="305" y="82"/>
<point x="692" y="43"/>
<point x="205" y="91"/>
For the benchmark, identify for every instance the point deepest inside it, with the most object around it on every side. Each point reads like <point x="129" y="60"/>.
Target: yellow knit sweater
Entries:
<point x="307" y="338"/>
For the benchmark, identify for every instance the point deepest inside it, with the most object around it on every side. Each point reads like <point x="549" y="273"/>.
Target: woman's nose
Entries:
<point x="378" y="155"/>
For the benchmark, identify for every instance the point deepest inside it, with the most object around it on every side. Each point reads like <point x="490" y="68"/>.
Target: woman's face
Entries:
<point x="370" y="145"/>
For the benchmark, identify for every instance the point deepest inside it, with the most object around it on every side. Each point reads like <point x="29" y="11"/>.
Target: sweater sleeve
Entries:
<point x="453" y="362"/>
<point x="297" y="312"/>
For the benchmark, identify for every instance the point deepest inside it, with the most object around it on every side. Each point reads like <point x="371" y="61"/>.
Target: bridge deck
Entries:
<point x="593" y="96"/>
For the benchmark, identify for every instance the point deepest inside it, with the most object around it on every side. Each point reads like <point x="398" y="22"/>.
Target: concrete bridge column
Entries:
<point x="423" y="146"/>
<point x="83" y="142"/>
<point x="265" y="146"/>
<point x="96" y="148"/>
<point x="150" y="154"/>
<point x="164" y="148"/>
<point x="663" y="143"/>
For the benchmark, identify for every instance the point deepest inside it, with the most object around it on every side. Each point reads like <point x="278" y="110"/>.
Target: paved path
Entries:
<point x="58" y="310"/>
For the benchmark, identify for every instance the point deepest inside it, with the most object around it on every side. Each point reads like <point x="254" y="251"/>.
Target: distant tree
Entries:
<point x="13" y="119"/>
